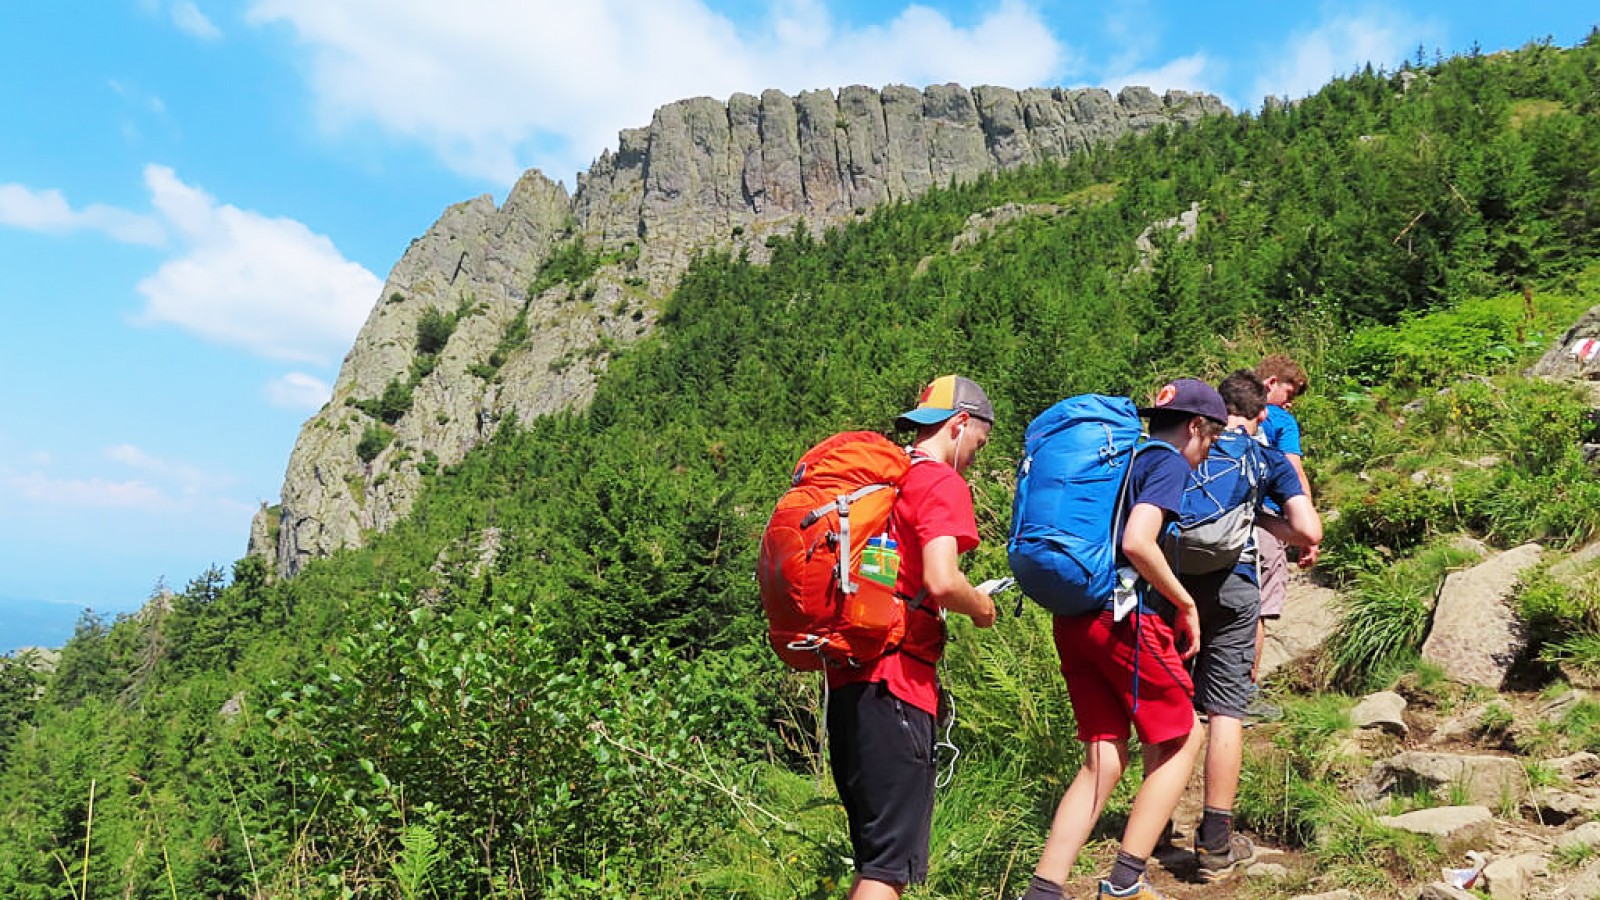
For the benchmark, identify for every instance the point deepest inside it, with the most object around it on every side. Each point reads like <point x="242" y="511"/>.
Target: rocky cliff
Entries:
<point x="513" y="311"/>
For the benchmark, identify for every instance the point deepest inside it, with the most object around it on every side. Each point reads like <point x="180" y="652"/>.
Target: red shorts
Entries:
<point x="1098" y="660"/>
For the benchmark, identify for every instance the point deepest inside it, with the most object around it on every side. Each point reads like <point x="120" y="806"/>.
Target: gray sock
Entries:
<point x="1041" y="888"/>
<point x="1127" y="870"/>
<point x="1216" y="827"/>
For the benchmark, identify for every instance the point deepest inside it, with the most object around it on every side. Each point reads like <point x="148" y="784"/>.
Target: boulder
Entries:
<point x="1267" y="872"/>
<point x="1383" y="710"/>
<point x="1484" y="780"/>
<point x="1574" y="564"/>
<point x="1581" y="885"/>
<point x="1585" y="835"/>
<point x="1310" y="617"/>
<point x="1573" y="767"/>
<point x="1476" y="633"/>
<point x="1576" y="356"/>
<point x="1556" y="708"/>
<point x="1554" y="807"/>
<point x="1511" y="878"/>
<point x="1453" y="828"/>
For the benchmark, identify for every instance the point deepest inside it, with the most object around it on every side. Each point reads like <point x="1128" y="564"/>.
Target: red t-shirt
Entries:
<point x="934" y="501"/>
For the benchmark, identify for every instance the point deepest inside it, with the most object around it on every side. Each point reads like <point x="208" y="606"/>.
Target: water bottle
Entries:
<point x="880" y="560"/>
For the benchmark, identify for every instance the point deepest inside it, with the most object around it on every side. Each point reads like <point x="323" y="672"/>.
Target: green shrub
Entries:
<point x="587" y="764"/>
<point x="434" y="328"/>
<point x="373" y="442"/>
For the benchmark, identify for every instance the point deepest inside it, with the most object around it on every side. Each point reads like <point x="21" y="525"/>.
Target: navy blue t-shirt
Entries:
<point x="1276" y="482"/>
<point x="1157" y="477"/>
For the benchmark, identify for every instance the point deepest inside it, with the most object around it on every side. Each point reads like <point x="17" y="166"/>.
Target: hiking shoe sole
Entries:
<point x="1217" y="866"/>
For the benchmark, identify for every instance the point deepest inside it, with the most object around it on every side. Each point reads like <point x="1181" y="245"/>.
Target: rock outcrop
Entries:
<point x="1576" y="356"/>
<point x="525" y="336"/>
<point x="1476" y="633"/>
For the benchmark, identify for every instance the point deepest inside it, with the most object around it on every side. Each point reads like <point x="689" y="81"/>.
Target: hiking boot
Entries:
<point x="1215" y="864"/>
<point x="1259" y="710"/>
<point x="1140" y="890"/>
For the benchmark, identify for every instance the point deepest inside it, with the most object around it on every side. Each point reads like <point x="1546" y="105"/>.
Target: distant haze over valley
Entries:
<point x="35" y="623"/>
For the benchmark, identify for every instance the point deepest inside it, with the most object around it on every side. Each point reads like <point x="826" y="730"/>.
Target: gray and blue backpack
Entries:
<point x="1219" y="506"/>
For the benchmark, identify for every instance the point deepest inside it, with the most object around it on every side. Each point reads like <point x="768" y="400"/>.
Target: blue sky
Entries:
<point x="199" y="200"/>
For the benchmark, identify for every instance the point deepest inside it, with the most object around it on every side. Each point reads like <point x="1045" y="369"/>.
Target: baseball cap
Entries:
<point x="943" y="398"/>
<point x="1189" y="395"/>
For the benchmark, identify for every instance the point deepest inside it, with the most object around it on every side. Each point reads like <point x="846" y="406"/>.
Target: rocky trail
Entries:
<point x="1463" y="757"/>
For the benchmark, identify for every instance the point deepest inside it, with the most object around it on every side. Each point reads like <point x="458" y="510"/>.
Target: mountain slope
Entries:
<point x="527" y="302"/>
<point x="550" y="680"/>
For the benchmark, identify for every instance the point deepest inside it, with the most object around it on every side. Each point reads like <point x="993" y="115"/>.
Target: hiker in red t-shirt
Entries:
<point x="881" y="716"/>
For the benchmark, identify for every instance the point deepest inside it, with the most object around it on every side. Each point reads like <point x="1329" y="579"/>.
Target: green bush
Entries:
<point x="533" y="761"/>
<point x="374" y="440"/>
<point x="434" y="328"/>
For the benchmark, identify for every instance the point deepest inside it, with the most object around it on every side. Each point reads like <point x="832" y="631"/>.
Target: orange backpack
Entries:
<point x="824" y="605"/>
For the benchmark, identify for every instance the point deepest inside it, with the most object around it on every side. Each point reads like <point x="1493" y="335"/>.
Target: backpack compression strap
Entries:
<point x="841" y="504"/>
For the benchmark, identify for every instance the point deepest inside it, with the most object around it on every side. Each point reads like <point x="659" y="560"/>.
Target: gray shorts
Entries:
<point x="1229" y="607"/>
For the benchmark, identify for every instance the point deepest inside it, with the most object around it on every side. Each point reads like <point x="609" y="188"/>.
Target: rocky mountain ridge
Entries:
<point x="508" y="313"/>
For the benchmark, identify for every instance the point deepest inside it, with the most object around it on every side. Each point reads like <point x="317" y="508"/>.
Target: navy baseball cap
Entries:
<point x="1189" y="395"/>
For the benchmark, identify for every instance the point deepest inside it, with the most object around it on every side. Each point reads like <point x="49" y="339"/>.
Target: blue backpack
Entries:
<point x="1219" y="505"/>
<point x="1067" y="511"/>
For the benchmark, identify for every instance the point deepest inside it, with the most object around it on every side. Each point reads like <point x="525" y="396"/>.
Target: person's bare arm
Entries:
<point x="947" y="586"/>
<point x="1299" y="525"/>
<point x="1141" y="544"/>
<point x="1308" y="555"/>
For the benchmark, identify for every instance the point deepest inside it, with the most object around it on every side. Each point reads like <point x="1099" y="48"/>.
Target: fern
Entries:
<point x="419" y="854"/>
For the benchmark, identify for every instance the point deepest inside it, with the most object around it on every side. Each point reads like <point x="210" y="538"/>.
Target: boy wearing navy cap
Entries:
<point x="1126" y="673"/>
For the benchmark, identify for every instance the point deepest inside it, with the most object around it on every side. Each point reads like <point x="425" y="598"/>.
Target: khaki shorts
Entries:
<point x="1273" y="566"/>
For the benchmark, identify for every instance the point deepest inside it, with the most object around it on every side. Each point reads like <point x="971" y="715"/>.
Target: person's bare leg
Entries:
<point x="1224" y="758"/>
<point x="1080" y="807"/>
<point x="1167" y="767"/>
<point x="871" y="889"/>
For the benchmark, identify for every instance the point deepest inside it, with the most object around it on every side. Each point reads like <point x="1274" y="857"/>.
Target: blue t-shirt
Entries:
<point x="1281" y="430"/>
<point x="1157" y="477"/>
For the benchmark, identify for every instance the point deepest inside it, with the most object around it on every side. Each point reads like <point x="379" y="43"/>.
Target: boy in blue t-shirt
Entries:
<point x="1229" y="603"/>
<point x="1284" y="381"/>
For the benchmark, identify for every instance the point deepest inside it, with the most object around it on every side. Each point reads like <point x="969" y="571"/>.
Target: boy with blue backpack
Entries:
<point x="1122" y="656"/>
<point x="1217" y="564"/>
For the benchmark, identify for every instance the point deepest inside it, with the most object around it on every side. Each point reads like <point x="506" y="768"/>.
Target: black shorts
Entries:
<point x="881" y="751"/>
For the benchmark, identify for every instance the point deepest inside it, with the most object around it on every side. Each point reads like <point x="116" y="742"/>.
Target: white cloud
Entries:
<point x="191" y="21"/>
<point x="269" y="285"/>
<point x="1338" y="46"/>
<point x="97" y="493"/>
<point x="298" y="390"/>
<point x="48" y="211"/>
<point x="184" y="478"/>
<point x="493" y="87"/>
<point x="130" y="455"/>
<point x="1189" y="73"/>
